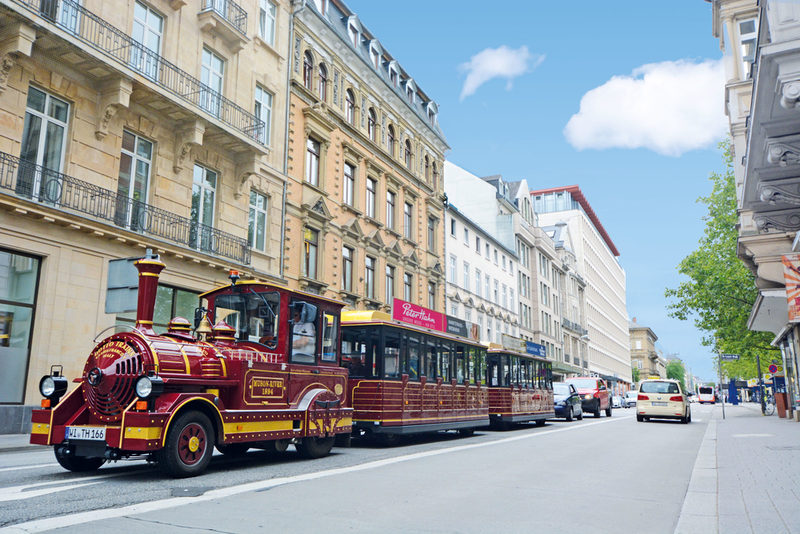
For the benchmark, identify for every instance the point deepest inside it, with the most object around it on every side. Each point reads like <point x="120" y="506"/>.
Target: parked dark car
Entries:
<point x="594" y="394"/>
<point x="567" y="401"/>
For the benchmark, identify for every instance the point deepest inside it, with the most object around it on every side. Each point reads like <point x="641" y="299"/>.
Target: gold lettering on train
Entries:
<point x="262" y="387"/>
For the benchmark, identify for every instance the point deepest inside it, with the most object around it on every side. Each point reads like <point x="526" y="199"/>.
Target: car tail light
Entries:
<point x="642" y="397"/>
<point x="676" y="398"/>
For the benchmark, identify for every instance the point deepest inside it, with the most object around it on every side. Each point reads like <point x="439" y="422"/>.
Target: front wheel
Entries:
<point x="189" y="446"/>
<point x="569" y="414"/>
<point x="466" y="432"/>
<point x="580" y="416"/>
<point x="608" y="411"/>
<point x="313" y="447"/>
<point x="76" y="464"/>
<point x="540" y="422"/>
<point x="596" y="410"/>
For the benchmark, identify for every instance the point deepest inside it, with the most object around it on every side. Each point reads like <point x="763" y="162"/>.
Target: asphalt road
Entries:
<point x="597" y="475"/>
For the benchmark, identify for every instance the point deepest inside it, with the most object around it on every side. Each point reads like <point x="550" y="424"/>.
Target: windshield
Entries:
<point x="560" y="389"/>
<point x="706" y="391"/>
<point x="252" y="314"/>
<point x="659" y="387"/>
<point x="585" y="383"/>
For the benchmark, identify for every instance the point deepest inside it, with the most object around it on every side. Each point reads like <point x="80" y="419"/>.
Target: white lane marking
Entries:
<point x="752" y="435"/>
<point x="18" y="468"/>
<point x="27" y="491"/>
<point x="50" y="523"/>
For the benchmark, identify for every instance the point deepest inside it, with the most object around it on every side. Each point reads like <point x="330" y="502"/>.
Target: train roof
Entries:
<point x="374" y="317"/>
<point x="494" y="348"/>
<point x="273" y="286"/>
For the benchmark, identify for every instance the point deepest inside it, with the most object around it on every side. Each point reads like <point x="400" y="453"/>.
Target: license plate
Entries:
<point x="94" y="433"/>
<point x="655" y="403"/>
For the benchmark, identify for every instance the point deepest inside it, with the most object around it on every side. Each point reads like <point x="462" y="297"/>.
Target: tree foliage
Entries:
<point x="635" y="374"/>
<point x="676" y="371"/>
<point x="720" y="291"/>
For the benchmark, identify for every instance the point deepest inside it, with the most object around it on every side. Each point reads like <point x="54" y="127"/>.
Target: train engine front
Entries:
<point x="172" y="398"/>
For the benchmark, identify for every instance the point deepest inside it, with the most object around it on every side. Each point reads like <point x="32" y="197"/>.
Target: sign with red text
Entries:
<point x="417" y="315"/>
<point x="791" y="277"/>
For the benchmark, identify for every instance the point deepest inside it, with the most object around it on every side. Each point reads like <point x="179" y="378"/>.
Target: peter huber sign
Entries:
<point x="408" y="312"/>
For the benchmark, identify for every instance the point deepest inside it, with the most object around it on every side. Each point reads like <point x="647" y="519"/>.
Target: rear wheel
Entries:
<point x="466" y="432"/>
<point x="580" y="416"/>
<point x="639" y="418"/>
<point x="569" y="414"/>
<point x="608" y="411"/>
<point x="313" y="447"/>
<point x="76" y="464"/>
<point x="540" y="422"/>
<point x="188" y="448"/>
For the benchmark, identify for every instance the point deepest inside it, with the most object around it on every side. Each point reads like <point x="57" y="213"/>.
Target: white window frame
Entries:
<point x="263" y="110"/>
<point x="253" y="220"/>
<point x="267" y="14"/>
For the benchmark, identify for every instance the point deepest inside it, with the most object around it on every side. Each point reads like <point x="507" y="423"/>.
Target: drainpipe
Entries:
<point x="295" y="12"/>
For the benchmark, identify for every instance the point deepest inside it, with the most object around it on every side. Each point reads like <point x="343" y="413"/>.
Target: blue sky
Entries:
<point x="640" y="81"/>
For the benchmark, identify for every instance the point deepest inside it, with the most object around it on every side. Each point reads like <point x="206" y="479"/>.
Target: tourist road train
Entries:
<point x="264" y="367"/>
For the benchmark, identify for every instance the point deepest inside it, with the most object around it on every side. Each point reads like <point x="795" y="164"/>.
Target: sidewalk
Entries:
<point x="746" y="477"/>
<point x="17" y="443"/>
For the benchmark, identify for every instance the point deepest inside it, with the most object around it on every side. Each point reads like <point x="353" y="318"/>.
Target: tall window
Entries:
<point x="369" y="277"/>
<point x="350" y="107"/>
<point x="310" y="245"/>
<point x="148" y="27"/>
<point x="349" y="184"/>
<point x="308" y="70"/>
<point x="391" y="140"/>
<point x="266" y="21"/>
<point x="431" y="295"/>
<point x="407" y="154"/>
<point x="427" y="169"/>
<point x="408" y="280"/>
<point x="389" y="284"/>
<point x="20" y="276"/>
<point x="204" y="188"/>
<point x="466" y="235"/>
<point x="323" y="82"/>
<point x="43" y="143"/>
<point x="263" y="110"/>
<point x="748" y="37"/>
<point x="312" y="161"/>
<point x="211" y="74"/>
<point x="466" y="276"/>
<point x="486" y="293"/>
<point x="431" y="233"/>
<point x="478" y="282"/>
<point x="372" y="120"/>
<point x="390" y="201"/>
<point x="453" y="227"/>
<point x="257" y="222"/>
<point x="408" y="221"/>
<point x="453" y="269"/>
<point x="435" y="182"/>
<point x="369" y="207"/>
<point x="134" y="177"/>
<point x="347" y="268"/>
<point x="477" y="244"/>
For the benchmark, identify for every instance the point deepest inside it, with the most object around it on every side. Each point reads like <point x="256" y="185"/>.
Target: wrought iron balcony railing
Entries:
<point x="102" y="36"/>
<point x="230" y="11"/>
<point x="65" y="193"/>
<point x="575" y="327"/>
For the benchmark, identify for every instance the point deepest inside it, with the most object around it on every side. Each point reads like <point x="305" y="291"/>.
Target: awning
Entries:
<point x="770" y="312"/>
<point x="562" y="367"/>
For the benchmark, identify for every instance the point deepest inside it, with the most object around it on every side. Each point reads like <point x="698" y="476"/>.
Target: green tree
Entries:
<point x="635" y="374"/>
<point x="676" y="371"/>
<point x="720" y="291"/>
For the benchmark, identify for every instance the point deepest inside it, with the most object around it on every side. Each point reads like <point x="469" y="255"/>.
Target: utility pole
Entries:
<point x="721" y="394"/>
<point x="761" y="386"/>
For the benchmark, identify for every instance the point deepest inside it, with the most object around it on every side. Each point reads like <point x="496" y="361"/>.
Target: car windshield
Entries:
<point x="706" y="391"/>
<point x="659" y="387"/>
<point x="586" y="383"/>
<point x="252" y="314"/>
<point x="560" y="389"/>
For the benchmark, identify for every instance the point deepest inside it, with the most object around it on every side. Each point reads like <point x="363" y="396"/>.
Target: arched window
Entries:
<point x="371" y="125"/>
<point x="308" y="70"/>
<point x="350" y="107"/>
<point x="391" y="140"/>
<point x="323" y="82"/>
<point x="435" y="177"/>
<point x="427" y="170"/>
<point x="407" y="154"/>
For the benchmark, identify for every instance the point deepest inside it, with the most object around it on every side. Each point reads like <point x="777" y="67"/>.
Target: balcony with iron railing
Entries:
<point x="574" y="327"/>
<point x="128" y="53"/>
<point x="229" y="11"/>
<point x="39" y="185"/>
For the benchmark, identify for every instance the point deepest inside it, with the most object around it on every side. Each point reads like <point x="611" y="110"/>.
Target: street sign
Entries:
<point x="773" y="368"/>
<point x="728" y="356"/>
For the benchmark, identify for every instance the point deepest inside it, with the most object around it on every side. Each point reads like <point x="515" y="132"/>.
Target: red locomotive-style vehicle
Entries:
<point x="520" y="388"/>
<point x="268" y="375"/>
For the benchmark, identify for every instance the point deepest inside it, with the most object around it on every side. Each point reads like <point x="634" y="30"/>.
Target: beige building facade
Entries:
<point x="130" y="125"/>
<point x="644" y="355"/>
<point x="365" y="203"/>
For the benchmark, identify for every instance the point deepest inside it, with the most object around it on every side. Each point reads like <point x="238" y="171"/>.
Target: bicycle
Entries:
<point x="769" y="405"/>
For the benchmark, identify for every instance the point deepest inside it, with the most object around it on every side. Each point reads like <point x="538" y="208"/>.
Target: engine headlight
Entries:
<point x="149" y="386"/>
<point x="587" y="396"/>
<point x="144" y="387"/>
<point x="47" y="386"/>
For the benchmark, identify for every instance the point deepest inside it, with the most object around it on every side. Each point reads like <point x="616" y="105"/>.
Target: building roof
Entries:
<point x="577" y="194"/>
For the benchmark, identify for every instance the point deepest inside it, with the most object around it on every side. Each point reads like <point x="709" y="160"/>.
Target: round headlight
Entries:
<point x="47" y="386"/>
<point x="587" y="396"/>
<point x="144" y="387"/>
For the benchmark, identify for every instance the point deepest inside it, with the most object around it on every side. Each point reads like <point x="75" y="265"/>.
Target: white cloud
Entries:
<point x="502" y="62"/>
<point x="668" y="107"/>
